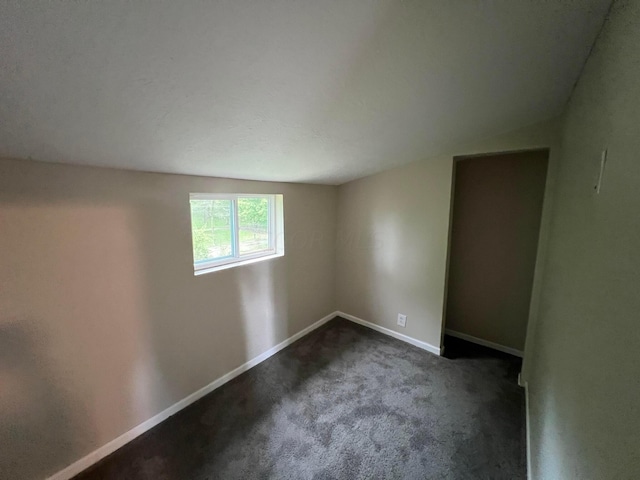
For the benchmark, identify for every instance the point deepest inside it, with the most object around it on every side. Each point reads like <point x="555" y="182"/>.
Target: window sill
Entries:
<point x="240" y="263"/>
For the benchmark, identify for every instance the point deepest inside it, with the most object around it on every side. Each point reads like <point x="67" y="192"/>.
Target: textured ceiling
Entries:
<point x="315" y="91"/>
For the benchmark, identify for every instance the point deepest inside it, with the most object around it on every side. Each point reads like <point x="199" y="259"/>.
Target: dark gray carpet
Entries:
<point x="344" y="402"/>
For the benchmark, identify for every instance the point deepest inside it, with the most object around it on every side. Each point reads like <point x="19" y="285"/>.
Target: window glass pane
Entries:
<point x="253" y="224"/>
<point x="211" y="226"/>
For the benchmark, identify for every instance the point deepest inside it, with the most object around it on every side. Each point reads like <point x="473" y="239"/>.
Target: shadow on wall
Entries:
<point x="262" y="308"/>
<point x="98" y="330"/>
<point x="74" y="324"/>
<point x="38" y="419"/>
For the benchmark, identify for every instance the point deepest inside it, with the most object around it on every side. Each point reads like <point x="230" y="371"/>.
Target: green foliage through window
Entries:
<point x="211" y="222"/>
<point x="253" y="224"/>
<point x="214" y="230"/>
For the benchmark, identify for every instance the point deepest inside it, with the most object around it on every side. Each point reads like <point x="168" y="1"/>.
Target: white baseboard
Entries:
<point x="484" y="343"/>
<point x="528" y="428"/>
<point x="418" y="343"/>
<point x="107" y="449"/>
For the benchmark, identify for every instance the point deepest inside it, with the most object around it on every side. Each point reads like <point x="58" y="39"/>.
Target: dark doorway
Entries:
<point x="495" y="224"/>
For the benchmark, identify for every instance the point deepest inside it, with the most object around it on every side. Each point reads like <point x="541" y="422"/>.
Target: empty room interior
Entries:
<point x="320" y="239"/>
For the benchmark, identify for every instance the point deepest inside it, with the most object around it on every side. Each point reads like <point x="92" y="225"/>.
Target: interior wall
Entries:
<point x="102" y="321"/>
<point x="495" y="224"/>
<point x="584" y="385"/>
<point x="393" y="230"/>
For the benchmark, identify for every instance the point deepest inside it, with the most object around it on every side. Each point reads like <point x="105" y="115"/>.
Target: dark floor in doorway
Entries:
<point x="344" y="402"/>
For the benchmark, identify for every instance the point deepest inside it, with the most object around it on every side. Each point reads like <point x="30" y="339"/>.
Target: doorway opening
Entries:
<point x="496" y="213"/>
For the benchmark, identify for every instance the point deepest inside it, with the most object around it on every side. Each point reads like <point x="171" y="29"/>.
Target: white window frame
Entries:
<point x="275" y="233"/>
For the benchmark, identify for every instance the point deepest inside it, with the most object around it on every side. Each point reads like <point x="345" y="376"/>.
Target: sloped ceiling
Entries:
<point x="317" y="91"/>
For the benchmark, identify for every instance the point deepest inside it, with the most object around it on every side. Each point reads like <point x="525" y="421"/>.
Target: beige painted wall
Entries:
<point x="584" y="382"/>
<point x="495" y="227"/>
<point x="102" y="322"/>
<point x="393" y="234"/>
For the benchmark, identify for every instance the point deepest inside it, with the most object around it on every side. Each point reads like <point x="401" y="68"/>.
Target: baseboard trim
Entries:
<point x="107" y="449"/>
<point x="405" y="338"/>
<point x="484" y="343"/>
<point x="528" y="428"/>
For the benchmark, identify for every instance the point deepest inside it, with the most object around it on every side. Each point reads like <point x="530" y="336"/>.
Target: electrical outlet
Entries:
<point x="402" y="320"/>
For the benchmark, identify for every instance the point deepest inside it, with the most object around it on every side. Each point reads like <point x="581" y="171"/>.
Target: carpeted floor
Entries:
<point x="344" y="402"/>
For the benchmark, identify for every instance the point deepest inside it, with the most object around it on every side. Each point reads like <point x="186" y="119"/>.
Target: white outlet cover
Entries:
<point x="402" y="320"/>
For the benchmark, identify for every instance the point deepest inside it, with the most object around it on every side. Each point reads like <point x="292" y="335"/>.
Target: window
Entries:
<point x="232" y="229"/>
